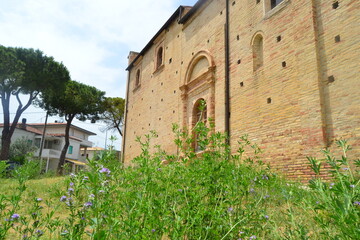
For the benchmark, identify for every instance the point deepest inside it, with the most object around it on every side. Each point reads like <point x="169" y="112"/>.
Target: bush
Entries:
<point x="207" y="195"/>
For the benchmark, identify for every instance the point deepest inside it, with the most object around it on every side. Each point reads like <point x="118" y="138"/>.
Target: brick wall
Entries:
<point x="302" y="98"/>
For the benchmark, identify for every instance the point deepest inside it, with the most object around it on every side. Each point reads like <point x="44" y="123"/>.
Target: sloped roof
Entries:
<point x="25" y="128"/>
<point x="61" y="124"/>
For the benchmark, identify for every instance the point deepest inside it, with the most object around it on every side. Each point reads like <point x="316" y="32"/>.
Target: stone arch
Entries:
<point x="200" y="58"/>
<point x="199" y="83"/>
<point x="257" y="45"/>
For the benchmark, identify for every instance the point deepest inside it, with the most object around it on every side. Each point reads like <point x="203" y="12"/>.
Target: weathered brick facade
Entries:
<point x="293" y="77"/>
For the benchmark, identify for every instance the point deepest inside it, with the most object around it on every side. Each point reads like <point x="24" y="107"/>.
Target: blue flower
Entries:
<point x="15" y="216"/>
<point x="63" y="198"/>
<point x="88" y="204"/>
<point x="105" y="170"/>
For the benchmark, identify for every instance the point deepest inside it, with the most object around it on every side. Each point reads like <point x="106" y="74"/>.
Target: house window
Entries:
<point x="137" y="80"/>
<point x="274" y="3"/>
<point x="70" y="149"/>
<point x="159" y="57"/>
<point x="199" y="116"/>
<point x="258" y="50"/>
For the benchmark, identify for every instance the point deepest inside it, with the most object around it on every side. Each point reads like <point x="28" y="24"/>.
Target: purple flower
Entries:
<point x="88" y="204"/>
<point x="230" y="209"/>
<point x="265" y="177"/>
<point x="357" y="203"/>
<point x="266" y="216"/>
<point x="253" y="237"/>
<point x="180" y="190"/>
<point x="91" y="196"/>
<point x="71" y="190"/>
<point x="105" y="170"/>
<point x="86" y="178"/>
<point x="266" y="196"/>
<point x="101" y="191"/>
<point x="345" y="168"/>
<point x="39" y="232"/>
<point x="71" y="184"/>
<point x="15" y="216"/>
<point x="72" y="175"/>
<point x="352" y="185"/>
<point x="240" y="232"/>
<point x="153" y="230"/>
<point x="251" y="190"/>
<point x="317" y="202"/>
<point x="39" y="199"/>
<point x="159" y="169"/>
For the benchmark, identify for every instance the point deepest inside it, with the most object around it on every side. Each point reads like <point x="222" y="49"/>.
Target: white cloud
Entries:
<point x="91" y="37"/>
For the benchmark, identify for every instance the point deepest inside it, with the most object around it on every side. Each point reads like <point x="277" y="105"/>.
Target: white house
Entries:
<point x="55" y="141"/>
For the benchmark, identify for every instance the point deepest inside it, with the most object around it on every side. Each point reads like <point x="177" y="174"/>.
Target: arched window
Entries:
<point x="274" y="3"/>
<point x="159" y="57"/>
<point x="258" y="51"/>
<point x="137" y="80"/>
<point x="199" y="115"/>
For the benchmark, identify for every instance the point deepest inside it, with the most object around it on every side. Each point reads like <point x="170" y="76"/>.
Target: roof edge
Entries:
<point x="175" y="15"/>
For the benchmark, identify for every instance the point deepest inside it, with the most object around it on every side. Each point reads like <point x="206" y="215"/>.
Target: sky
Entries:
<point x="92" y="38"/>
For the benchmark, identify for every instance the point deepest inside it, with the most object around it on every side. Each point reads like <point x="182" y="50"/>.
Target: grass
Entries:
<point x="213" y="195"/>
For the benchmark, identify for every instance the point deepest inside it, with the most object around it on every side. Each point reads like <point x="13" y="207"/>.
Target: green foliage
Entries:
<point x="77" y="100"/>
<point x="205" y="195"/>
<point x="3" y="167"/>
<point x="29" y="72"/>
<point x="20" y="150"/>
<point x="114" y="113"/>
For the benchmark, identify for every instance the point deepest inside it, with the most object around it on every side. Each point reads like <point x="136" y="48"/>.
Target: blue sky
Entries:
<point x="91" y="37"/>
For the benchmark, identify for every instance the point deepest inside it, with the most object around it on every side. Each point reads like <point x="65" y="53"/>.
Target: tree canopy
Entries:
<point x="29" y="72"/>
<point x="76" y="101"/>
<point x="113" y="115"/>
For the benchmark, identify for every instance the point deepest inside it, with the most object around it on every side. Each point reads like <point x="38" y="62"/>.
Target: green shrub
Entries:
<point x="206" y="195"/>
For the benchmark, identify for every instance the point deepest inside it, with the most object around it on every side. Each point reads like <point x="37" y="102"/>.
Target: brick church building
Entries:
<point x="285" y="72"/>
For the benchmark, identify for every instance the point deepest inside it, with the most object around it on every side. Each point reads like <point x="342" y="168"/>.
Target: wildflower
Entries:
<point x="88" y="204"/>
<point x="91" y="196"/>
<point x="251" y="190"/>
<point x="39" y="232"/>
<point x="82" y="218"/>
<point x="266" y="217"/>
<point x="317" y="202"/>
<point x="39" y="199"/>
<point x="357" y="203"/>
<point x="345" y="168"/>
<point x="255" y="179"/>
<point x="352" y="185"/>
<point x="86" y="178"/>
<point x="105" y="170"/>
<point x="230" y="209"/>
<point x="6" y="219"/>
<point x="266" y="196"/>
<point x="253" y="237"/>
<point x="15" y="216"/>
<point x="101" y="191"/>
<point x="331" y="185"/>
<point x="70" y="190"/>
<point x="159" y="169"/>
<point x="180" y="190"/>
<point x="71" y="184"/>
<point x="153" y="230"/>
<point x="240" y="232"/>
<point x="265" y="177"/>
<point x="72" y="175"/>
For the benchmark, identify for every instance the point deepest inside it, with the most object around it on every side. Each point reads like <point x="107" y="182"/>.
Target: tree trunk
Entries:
<point x="9" y="129"/>
<point x="60" y="168"/>
<point x="5" y="139"/>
